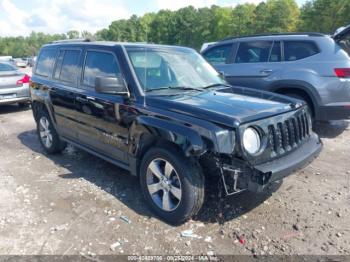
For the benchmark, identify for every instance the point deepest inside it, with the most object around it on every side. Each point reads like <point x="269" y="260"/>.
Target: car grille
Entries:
<point x="288" y="134"/>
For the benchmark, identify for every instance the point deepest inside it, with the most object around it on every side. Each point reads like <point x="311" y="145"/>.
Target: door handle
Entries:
<point x="266" y="71"/>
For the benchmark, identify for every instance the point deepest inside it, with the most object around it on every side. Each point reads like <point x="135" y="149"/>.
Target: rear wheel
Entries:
<point x="47" y="133"/>
<point x="172" y="185"/>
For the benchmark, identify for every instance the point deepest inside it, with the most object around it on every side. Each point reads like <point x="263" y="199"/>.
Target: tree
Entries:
<point x="324" y="15"/>
<point x="73" y="34"/>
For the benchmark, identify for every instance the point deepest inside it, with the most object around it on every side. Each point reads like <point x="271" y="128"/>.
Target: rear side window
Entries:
<point x="67" y="66"/>
<point x="253" y="52"/>
<point x="45" y="62"/>
<point x="99" y="64"/>
<point x="218" y="55"/>
<point x="296" y="50"/>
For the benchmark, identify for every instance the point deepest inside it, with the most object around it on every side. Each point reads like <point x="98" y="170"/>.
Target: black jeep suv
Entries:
<point x="164" y="114"/>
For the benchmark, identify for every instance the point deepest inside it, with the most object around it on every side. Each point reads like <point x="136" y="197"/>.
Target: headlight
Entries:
<point x="251" y="140"/>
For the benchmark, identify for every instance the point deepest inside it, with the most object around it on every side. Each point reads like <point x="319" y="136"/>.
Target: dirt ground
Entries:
<point x="75" y="203"/>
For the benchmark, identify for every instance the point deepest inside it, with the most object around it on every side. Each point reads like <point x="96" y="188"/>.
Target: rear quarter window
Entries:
<point x="46" y="62"/>
<point x="296" y="50"/>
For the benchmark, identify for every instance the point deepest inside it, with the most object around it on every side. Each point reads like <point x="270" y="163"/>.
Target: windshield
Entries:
<point x="165" y="69"/>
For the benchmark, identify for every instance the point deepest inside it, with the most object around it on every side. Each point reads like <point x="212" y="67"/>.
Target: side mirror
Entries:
<point x="110" y="85"/>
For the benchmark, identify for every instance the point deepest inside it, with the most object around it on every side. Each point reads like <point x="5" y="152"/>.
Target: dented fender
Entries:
<point x="186" y="138"/>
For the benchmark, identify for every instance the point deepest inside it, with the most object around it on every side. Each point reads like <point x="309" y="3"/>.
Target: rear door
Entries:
<point x="64" y="89"/>
<point x="100" y="116"/>
<point x="254" y="64"/>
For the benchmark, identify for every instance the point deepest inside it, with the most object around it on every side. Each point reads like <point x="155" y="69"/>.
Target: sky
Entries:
<point x="21" y="17"/>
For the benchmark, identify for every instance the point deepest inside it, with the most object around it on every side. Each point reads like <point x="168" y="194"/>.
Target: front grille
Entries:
<point x="288" y="134"/>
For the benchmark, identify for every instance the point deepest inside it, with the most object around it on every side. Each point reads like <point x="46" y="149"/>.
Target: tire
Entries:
<point x="182" y="185"/>
<point x="48" y="137"/>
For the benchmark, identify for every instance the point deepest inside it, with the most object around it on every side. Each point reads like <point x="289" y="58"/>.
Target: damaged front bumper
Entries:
<point x="255" y="178"/>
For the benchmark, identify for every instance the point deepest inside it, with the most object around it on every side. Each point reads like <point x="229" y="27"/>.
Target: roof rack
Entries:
<point x="71" y="40"/>
<point x="274" y="34"/>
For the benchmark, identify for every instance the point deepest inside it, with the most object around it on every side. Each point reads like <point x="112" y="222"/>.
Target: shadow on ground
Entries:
<point x="330" y="129"/>
<point x="125" y="187"/>
<point x="7" y="109"/>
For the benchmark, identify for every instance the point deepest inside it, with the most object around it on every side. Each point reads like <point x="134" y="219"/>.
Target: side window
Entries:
<point x="99" y="64"/>
<point x="69" y="69"/>
<point x="296" y="50"/>
<point x="45" y="62"/>
<point x="253" y="52"/>
<point x="275" y="55"/>
<point x="218" y="55"/>
<point x="58" y="65"/>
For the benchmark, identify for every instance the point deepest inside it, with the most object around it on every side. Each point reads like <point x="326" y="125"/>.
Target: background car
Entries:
<point x="308" y="66"/>
<point x="20" y="62"/>
<point x="31" y="61"/>
<point x="14" y="85"/>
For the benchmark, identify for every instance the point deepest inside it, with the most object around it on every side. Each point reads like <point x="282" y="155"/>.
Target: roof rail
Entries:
<point x="275" y="34"/>
<point x="71" y="40"/>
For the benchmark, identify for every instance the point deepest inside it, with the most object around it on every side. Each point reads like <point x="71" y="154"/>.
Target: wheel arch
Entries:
<point x="41" y="105"/>
<point x="148" y="132"/>
<point x="304" y="89"/>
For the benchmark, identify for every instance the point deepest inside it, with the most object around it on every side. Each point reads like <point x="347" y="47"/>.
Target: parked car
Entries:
<point x="308" y="66"/>
<point x="31" y="61"/>
<point x="14" y="85"/>
<point x="6" y="58"/>
<point x="20" y="62"/>
<point x="165" y="114"/>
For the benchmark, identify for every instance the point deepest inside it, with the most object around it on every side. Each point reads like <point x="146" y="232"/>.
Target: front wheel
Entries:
<point x="172" y="185"/>
<point x="47" y="133"/>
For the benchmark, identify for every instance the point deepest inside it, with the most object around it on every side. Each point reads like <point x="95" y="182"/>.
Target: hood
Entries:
<point x="229" y="106"/>
<point x="341" y="32"/>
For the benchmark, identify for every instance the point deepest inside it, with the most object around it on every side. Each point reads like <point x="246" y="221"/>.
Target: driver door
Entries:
<point x="100" y="116"/>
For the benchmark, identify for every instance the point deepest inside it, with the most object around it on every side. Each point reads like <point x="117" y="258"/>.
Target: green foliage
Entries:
<point x="324" y="15"/>
<point x="192" y="27"/>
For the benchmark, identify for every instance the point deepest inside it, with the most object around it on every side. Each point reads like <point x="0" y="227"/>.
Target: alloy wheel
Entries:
<point x="163" y="184"/>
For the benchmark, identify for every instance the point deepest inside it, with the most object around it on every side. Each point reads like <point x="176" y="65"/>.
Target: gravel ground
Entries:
<point x="75" y="203"/>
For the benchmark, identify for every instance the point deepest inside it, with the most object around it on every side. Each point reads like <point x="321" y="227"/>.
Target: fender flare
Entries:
<point x="298" y="85"/>
<point x="186" y="138"/>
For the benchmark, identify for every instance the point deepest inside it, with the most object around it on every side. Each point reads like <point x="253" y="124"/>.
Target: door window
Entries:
<point x="100" y="64"/>
<point x="67" y="67"/>
<point x="253" y="52"/>
<point x="296" y="50"/>
<point x="218" y="55"/>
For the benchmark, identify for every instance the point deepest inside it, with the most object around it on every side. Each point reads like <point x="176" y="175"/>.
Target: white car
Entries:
<point x="19" y="62"/>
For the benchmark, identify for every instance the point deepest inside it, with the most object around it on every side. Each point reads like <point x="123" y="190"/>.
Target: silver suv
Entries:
<point x="308" y="66"/>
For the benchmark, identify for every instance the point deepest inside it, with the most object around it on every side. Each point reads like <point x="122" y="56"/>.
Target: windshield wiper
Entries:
<point x="185" y="88"/>
<point x="156" y="89"/>
<point x="216" y="85"/>
<point x="174" y="87"/>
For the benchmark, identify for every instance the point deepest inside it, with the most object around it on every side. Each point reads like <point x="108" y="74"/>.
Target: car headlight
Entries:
<point x="251" y="140"/>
